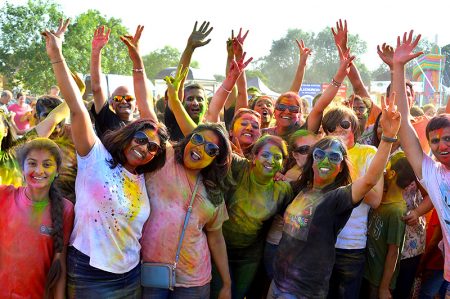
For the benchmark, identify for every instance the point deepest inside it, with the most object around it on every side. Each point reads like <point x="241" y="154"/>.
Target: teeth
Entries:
<point x="268" y="167"/>
<point x="138" y="154"/>
<point x="38" y="178"/>
<point x="324" y="169"/>
<point x="444" y="153"/>
<point x="248" y="134"/>
<point x="285" y="117"/>
<point x="195" y="156"/>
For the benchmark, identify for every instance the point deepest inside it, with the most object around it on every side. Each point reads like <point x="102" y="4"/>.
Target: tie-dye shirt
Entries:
<point x="110" y="211"/>
<point x="251" y="206"/>
<point x="170" y="193"/>
<point x="26" y="243"/>
<point x="436" y="180"/>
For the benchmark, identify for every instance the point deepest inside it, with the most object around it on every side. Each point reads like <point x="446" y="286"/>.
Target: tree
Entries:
<point x="160" y="59"/>
<point x="281" y="63"/>
<point x="445" y="50"/>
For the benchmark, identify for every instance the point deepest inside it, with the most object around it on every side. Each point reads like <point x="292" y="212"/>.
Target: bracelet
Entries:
<point x="58" y="61"/>
<point x="138" y="70"/>
<point x="228" y="91"/>
<point x="389" y="139"/>
<point x="335" y="83"/>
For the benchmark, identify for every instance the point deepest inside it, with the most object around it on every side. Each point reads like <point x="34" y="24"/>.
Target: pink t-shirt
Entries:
<point x="170" y="193"/>
<point x="26" y="244"/>
<point x="21" y="123"/>
<point x="436" y="179"/>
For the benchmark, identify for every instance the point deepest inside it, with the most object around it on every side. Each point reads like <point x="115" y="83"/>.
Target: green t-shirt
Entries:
<point x="251" y="206"/>
<point x="385" y="227"/>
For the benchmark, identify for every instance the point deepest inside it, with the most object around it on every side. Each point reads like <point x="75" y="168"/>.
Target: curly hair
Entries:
<point x="56" y="208"/>
<point x="216" y="175"/>
<point x="116" y="142"/>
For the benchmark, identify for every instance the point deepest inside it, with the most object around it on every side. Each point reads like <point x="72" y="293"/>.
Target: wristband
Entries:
<point x="389" y="139"/>
<point x="138" y="70"/>
<point x="335" y="83"/>
<point x="228" y="91"/>
<point x="55" y="62"/>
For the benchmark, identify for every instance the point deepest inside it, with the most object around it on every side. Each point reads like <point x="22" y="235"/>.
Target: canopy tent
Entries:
<point x="256" y="82"/>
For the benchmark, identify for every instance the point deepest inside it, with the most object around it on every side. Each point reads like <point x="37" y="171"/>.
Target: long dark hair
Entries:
<point x="116" y="141"/>
<point x="215" y="175"/>
<point x="307" y="177"/>
<point x="8" y="141"/>
<point x="56" y="208"/>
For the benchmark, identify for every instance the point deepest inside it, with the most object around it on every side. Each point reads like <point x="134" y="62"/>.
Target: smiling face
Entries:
<point x="264" y="106"/>
<point x="439" y="141"/>
<point x="195" y="156"/>
<point x="346" y="135"/>
<point x="137" y="153"/>
<point x="302" y="141"/>
<point x="268" y="161"/>
<point x="123" y="108"/>
<point x="39" y="169"/>
<point x="246" y="129"/>
<point x="195" y="103"/>
<point x="287" y="118"/>
<point x="325" y="171"/>
<point x="360" y="109"/>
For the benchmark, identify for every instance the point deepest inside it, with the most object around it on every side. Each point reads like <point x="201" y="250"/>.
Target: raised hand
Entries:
<point x="390" y="117"/>
<point x="238" y="43"/>
<point x="346" y="60"/>
<point x="340" y="35"/>
<point x="237" y="67"/>
<point x="173" y="84"/>
<point x="132" y="43"/>
<point x="197" y="37"/>
<point x="53" y="40"/>
<point x="386" y="54"/>
<point x="101" y="38"/>
<point x="403" y="51"/>
<point x="304" y="51"/>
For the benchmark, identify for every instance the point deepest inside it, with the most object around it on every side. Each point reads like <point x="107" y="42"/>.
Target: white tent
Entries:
<point x="256" y="82"/>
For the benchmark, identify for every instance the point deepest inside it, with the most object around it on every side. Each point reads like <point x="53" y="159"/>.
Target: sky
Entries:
<point x="169" y="22"/>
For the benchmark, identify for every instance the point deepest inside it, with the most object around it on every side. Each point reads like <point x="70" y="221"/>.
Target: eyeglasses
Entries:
<point x="283" y="107"/>
<point x="345" y="124"/>
<point x="211" y="149"/>
<point x="141" y="138"/>
<point x="302" y="150"/>
<point x="333" y="157"/>
<point x="361" y="109"/>
<point x="121" y="98"/>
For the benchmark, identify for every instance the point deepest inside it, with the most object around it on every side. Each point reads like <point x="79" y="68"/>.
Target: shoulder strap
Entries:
<point x="186" y="220"/>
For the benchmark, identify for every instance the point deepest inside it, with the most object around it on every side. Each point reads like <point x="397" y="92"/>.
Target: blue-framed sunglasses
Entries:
<point x="211" y="149"/>
<point x="334" y="157"/>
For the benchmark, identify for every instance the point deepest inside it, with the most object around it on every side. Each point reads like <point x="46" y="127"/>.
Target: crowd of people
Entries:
<point x="243" y="195"/>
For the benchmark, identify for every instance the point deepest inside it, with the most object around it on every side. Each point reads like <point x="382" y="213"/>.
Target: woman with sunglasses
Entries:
<point x="342" y="123"/>
<point x="111" y="199"/>
<point x="306" y="254"/>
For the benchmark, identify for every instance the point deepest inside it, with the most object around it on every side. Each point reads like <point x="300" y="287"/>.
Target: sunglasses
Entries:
<point x="141" y="138"/>
<point x="345" y="124"/>
<point x="283" y="107"/>
<point x="302" y="150"/>
<point x="121" y="98"/>
<point x="333" y="157"/>
<point x="211" y="149"/>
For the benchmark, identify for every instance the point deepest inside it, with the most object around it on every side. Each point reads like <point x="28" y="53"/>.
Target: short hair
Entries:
<point x="405" y="173"/>
<point x="55" y="87"/>
<point x="193" y="86"/>
<point x="291" y="95"/>
<point x="6" y="93"/>
<point x="416" y="111"/>
<point x="256" y="99"/>
<point x="365" y="100"/>
<point x="335" y="115"/>
<point x="407" y="83"/>
<point x="316" y="98"/>
<point x="253" y="89"/>
<point x="437" y="122"/>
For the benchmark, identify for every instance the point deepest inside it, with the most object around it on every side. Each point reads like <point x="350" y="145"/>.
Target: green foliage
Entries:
<point x="23" y="59"/>
<point x="382" y="73"/>
<point x="281" y="64"/>
<point x="445" y="50"/>
<point x="160" y="59"/>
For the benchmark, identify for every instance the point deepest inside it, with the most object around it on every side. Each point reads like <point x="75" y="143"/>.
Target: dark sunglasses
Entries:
<point x="345" y="124"/>
<point x="211" y="149"/>
<point x="141" y="138"/>
<point x="333" y="157"/>
<point x="121" y="98"/>
<point x="302" y="150"/>
<point x="283" y="107"/>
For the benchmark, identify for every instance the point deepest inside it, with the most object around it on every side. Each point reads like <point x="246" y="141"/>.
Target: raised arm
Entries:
<point x="196" y="39"/>
<point x="315" y="116"/>
<point x="219" y="98"/>
<point x="408" y="138"/>
<point x="340" y="35"/>
<point x="82" y="131"/>
<point x="144" y="98"/>
<point x="390" y="122"/>
<point x="300" y="73"/>
<point x="185" y="122"/>
<point x="241" y="83"/>
<point x="57" y="115"/>
<point x="101" y="37"/>
<point x="231" y="100"/>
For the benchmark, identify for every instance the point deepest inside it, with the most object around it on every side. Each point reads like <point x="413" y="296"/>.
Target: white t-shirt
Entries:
<point x="436" y="179"/>
<point x="110" y="211"/>
<point x="354" y="233"/>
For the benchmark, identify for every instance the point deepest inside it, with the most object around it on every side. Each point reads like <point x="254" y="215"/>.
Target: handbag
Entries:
<point x="162" y="275"/>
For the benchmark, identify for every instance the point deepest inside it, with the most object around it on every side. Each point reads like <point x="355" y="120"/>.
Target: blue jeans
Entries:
<point x="432" y="282"/>
<point x="348" y="270"/>
<point x="276" y="293"/>
<point x="178" y="293"/>
<point x="87" y="282"/>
